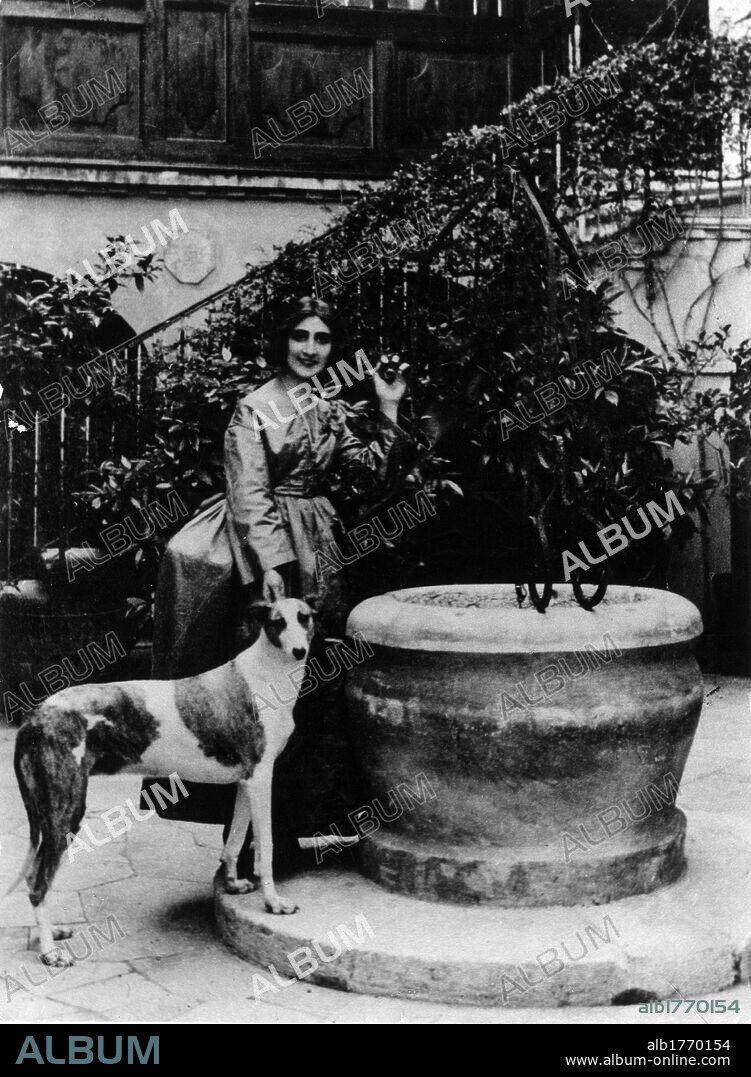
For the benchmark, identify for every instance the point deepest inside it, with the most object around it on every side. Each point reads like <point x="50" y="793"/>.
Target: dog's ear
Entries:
<point x="259" y="611"/>
<point x="313" y="602"/>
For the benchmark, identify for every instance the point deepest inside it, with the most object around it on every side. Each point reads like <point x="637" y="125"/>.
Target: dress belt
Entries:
<point x="299" y="491"/>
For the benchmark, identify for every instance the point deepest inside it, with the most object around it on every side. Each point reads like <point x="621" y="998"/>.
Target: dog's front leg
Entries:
<point x="236" y="837"/>
<point x="260" y="799"/>
<point x="52" y="955"/>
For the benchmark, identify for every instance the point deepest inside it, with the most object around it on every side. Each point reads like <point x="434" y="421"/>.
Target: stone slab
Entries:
<point x="689" y="939"/>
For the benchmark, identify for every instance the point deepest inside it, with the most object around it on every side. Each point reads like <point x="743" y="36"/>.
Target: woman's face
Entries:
<point x="309" y="348"/>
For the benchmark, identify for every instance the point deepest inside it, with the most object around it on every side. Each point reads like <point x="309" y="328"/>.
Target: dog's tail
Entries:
<point x="31" y="856"/>
<point x="53" y="789"/>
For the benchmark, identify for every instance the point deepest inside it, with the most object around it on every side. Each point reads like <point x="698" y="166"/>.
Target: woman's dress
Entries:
<point x="277" y="459"/>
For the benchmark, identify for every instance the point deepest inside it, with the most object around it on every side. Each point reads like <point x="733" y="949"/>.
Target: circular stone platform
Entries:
<point x="686" y="940"/>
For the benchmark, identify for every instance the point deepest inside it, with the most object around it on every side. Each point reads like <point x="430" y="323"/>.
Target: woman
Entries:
<point x="266" y="537"/>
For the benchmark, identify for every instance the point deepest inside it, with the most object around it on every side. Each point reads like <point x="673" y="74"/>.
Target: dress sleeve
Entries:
<point x="250" y="500"/>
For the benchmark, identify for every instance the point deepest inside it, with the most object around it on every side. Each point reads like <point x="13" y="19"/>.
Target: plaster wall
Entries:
<point x="706" y="281"/>
<point x="730" y="16"/>
<point x="55" y="232"/>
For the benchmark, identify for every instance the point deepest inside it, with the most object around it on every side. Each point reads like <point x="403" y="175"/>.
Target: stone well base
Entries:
<point x="690" y="939"/>
<point x="525" y="877"/>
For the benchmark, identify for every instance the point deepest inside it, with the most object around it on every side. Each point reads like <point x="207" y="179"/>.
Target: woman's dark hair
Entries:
<point x="308" y="306"/>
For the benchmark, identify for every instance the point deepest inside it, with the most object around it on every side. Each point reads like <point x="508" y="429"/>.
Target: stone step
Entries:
<point x="690" y="939"/>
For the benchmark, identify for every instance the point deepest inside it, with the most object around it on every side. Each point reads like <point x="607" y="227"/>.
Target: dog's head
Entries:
<point x="288" y="624"/>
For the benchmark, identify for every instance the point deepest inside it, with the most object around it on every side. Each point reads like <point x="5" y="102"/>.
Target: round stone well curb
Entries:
<point x="687" y="940"/>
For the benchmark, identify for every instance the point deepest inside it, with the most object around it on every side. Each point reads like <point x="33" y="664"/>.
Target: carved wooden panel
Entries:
<point x="321" y="88"/>
<point x="440" y="93"/>
<point x="433" y="7"/>
<point x="294" y="82"/>
<point x="196" y="48"/>
<point x="72" y="79"/>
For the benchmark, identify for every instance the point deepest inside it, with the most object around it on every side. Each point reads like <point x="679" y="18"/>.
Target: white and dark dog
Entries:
<point x="210" y="728"/>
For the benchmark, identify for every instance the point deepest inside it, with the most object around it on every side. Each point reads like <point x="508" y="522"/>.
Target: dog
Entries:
<point x="216" y="727"/>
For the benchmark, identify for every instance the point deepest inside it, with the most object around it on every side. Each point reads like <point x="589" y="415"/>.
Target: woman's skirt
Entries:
<point x="196" y="597"/>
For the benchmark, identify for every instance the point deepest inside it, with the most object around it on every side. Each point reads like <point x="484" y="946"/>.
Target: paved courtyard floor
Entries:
<point x="141" y="907"/>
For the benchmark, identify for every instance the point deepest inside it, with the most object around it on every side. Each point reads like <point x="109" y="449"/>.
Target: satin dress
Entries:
<point x="276" y="515"/>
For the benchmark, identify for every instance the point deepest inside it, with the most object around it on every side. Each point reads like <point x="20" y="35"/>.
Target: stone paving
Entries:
<point x="141" y="907"/>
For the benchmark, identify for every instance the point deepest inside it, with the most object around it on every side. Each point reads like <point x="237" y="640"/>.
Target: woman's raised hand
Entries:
<point x="390" y="385"/>
<point x="273" y="586"/>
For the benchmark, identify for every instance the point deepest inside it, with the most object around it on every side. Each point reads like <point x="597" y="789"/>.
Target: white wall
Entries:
<point x="730" y="16"/>
<point x="55" y="232"/>
<point x="707" y="283"/>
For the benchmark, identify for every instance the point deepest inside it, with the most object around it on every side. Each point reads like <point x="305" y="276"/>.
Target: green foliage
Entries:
<point x="48" y="328"/>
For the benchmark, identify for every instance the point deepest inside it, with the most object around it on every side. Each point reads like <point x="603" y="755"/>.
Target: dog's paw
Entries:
<point x="60" y="933"/>
<point x="239" y="886"/>
<point x="281" y="908"/>
<point x="57" y="958"/>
